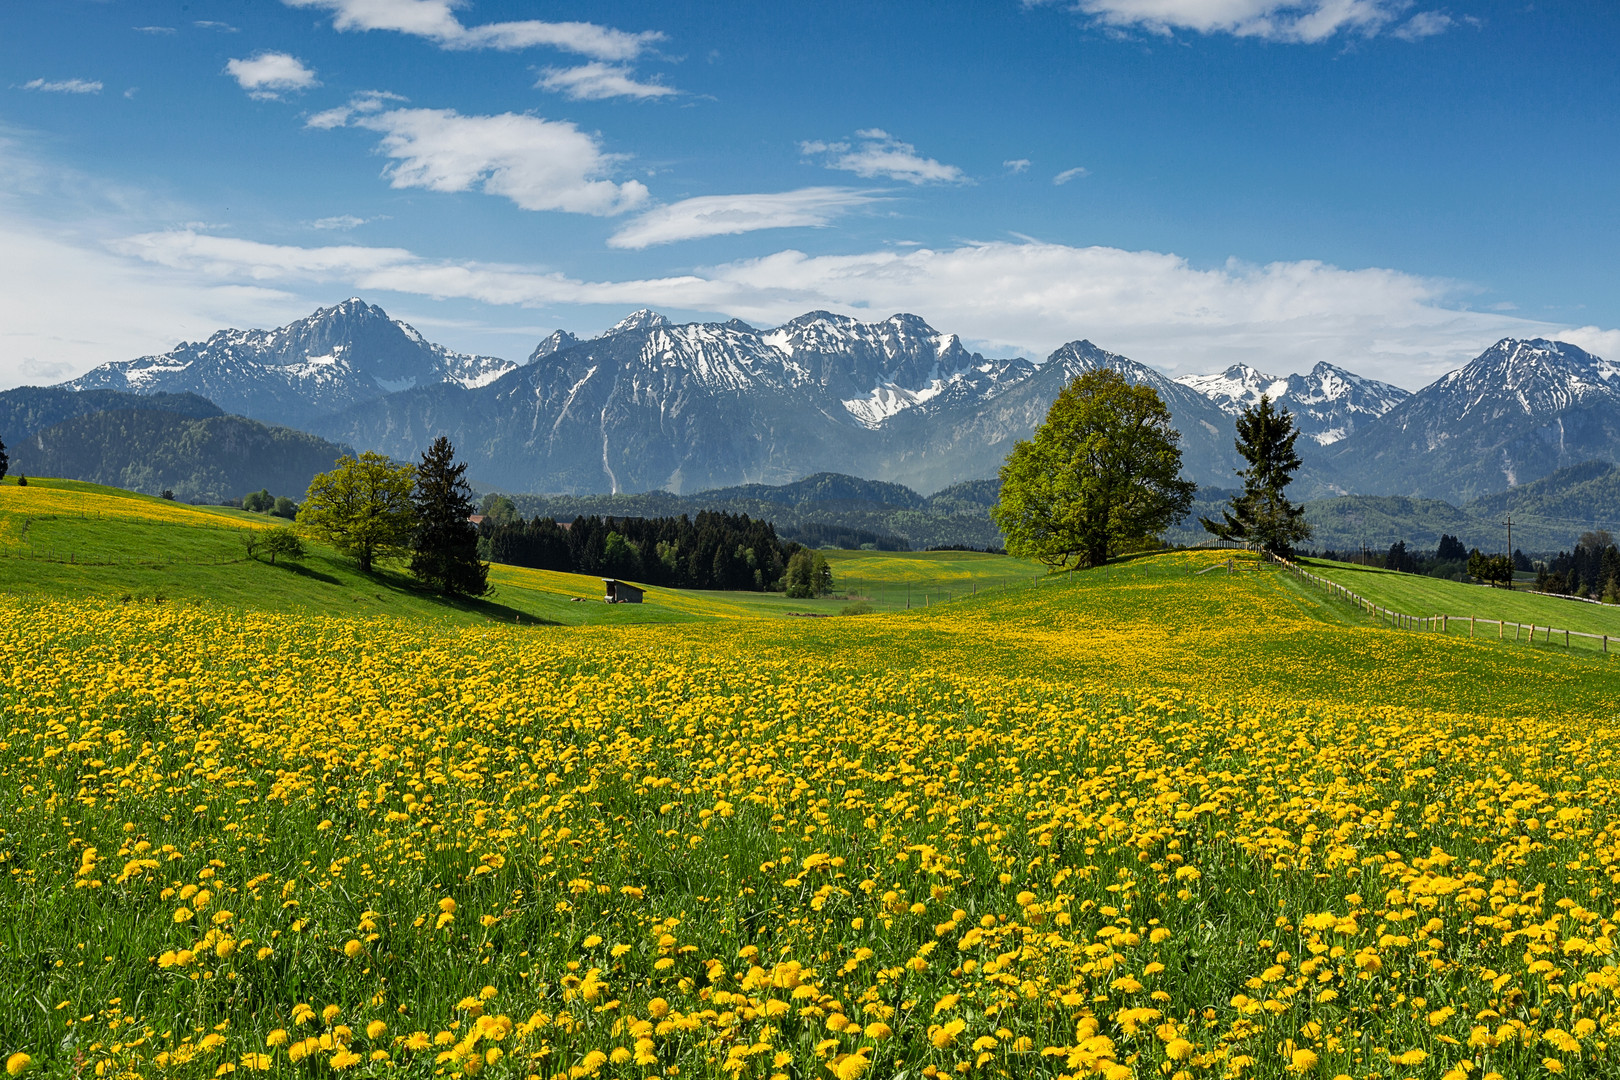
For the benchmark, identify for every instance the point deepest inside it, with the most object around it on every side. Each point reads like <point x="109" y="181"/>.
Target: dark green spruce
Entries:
<point x="1262" y="515"/>
<point x="445" y="544"/>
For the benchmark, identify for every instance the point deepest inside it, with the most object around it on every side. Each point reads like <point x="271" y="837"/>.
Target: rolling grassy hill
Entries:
<point x="69" y="538"/>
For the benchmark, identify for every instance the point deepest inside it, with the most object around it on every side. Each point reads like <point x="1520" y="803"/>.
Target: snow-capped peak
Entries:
<point x="642" y="319"/>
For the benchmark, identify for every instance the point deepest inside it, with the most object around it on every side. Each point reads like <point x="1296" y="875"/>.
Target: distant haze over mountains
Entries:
<point x="650" y="405"/>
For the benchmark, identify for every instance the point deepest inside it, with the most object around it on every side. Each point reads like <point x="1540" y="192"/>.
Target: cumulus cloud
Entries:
<point x="64" y="86"/>
<point x="725" y="215"/>
<point x="267" y="75"/>
<point x="597" y="81"/>
<point x="1070" y="174"/>
<point x="1306" y="21"/>
<point x="1025" y="296"/>
<point x="874" y="152"/>
<point x="538" y="164"/>
<point x="1016" y="165"/>
<point x="436" y="21"/>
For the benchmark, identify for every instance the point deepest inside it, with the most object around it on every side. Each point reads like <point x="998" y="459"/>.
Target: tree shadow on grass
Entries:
<point x="305" y="572"/>
<point x="403" y="585"/>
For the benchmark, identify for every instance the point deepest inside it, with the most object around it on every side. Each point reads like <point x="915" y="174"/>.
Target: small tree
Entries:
<point x="283" y="542"/>
<point x="167" y="493"/>
<point x="445" y="543"/>
<point x="499" y="509"/>
<point x="284" y="508"/>
<point x="1262" y="515"/>
<point x="5" y="462"/>
<point x="800" y="579"/>
<point x="259" y="502"/>
<point x="1494" y="570"/>
<point x="1103" y="470"/>
<point x="363" y="508"/>
<point x="821" y="578"/>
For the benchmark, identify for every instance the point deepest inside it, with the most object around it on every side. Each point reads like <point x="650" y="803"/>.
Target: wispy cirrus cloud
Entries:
<point x="538" y="164"/>
<point x="1297" y="21"/>
<point x="64" y="86"/>
<point x="597" y="81"/>
<point x="874" y="152"/>
<point x="1070" y="174"/>
<point x="268" y="75"/>
<point x="727" y="215"/>
<point x="436" y="21"/>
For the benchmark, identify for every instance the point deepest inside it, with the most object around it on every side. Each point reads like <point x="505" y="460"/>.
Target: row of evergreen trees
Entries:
<point x="714" y="551"/>
<point x="1591" y="570"/>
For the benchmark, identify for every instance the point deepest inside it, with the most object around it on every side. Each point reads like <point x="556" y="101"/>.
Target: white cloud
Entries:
<point x="874" y="152"/>
<point x="343" y="222"/>
<point x="268" y="75"/>
<point x="435" y="20"/>
<point x="597" y="81"/>
<point x="725" y="215"/>
<point x="1424" y="24"/>
<point x="154" y="29"/>
<point x="64" y="86"/>
<point x="539" y="164"/>
<point x="1272" y="20"/>
<point x="66" y="306"/>
<point x="1025" y="296"/>
<point x="211" y="24"/>
<point x="1070" y="174"/>
<point x="367" y="101"/>
<point x="1016" y="165"/>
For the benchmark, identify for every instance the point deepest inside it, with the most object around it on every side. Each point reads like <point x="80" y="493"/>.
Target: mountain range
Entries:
<point x="654" y="405"/>
<point x="337" y="357"/>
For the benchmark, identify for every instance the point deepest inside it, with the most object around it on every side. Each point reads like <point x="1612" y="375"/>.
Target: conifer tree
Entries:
<point x="1262" y="515"/>
<point x="445" y="543"/>
<point x="5" y="462"/>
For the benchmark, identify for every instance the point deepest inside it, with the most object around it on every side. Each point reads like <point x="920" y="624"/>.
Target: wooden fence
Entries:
<point x="1442" y="623"/>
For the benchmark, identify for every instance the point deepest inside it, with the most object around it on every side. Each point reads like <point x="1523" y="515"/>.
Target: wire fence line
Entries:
<point x="1441" y="623"/>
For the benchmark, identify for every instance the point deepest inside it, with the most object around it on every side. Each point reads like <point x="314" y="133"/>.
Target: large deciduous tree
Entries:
<point x="362" y="507"/>
<point x="1102" y="471"/>
<point x="445" y="543"/>
<point x="1262" y="514"/>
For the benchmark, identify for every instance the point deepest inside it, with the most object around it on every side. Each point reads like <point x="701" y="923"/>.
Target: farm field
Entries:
<point x="1135" y="822"/>
<point x="1414" y="594"/>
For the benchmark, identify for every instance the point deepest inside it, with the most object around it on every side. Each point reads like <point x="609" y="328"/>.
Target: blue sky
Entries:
<point x="1386" y="185"/>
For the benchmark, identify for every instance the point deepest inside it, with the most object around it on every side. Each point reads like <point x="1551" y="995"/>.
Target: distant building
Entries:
<point x="621" y="592"/>
<point x="476" y="519"/>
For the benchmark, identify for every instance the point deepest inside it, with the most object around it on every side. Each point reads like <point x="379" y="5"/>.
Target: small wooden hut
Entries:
<point x="621" y="592"/>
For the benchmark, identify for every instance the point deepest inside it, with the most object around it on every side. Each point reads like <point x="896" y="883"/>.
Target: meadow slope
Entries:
<point x="1138" y="822"/>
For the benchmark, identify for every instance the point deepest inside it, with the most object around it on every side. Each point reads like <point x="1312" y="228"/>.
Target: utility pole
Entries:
<point x="1509" y="524"/>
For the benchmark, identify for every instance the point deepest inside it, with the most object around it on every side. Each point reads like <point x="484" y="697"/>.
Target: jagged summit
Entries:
<point x="329" y="360"/>
<point x="642" y="319"/>
<point x="1328" y="402"/>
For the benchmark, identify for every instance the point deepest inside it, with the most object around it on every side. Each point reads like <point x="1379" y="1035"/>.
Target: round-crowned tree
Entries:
<point x="1103" y="471"/>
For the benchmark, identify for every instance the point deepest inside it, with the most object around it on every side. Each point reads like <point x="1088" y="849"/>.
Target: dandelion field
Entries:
<point x="1048" y="832"/>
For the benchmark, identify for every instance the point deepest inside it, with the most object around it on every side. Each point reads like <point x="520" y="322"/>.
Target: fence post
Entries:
<point x="1566" y="639"/>
<point x="1470" y="626"/>
<point x="1605" y="644"/>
